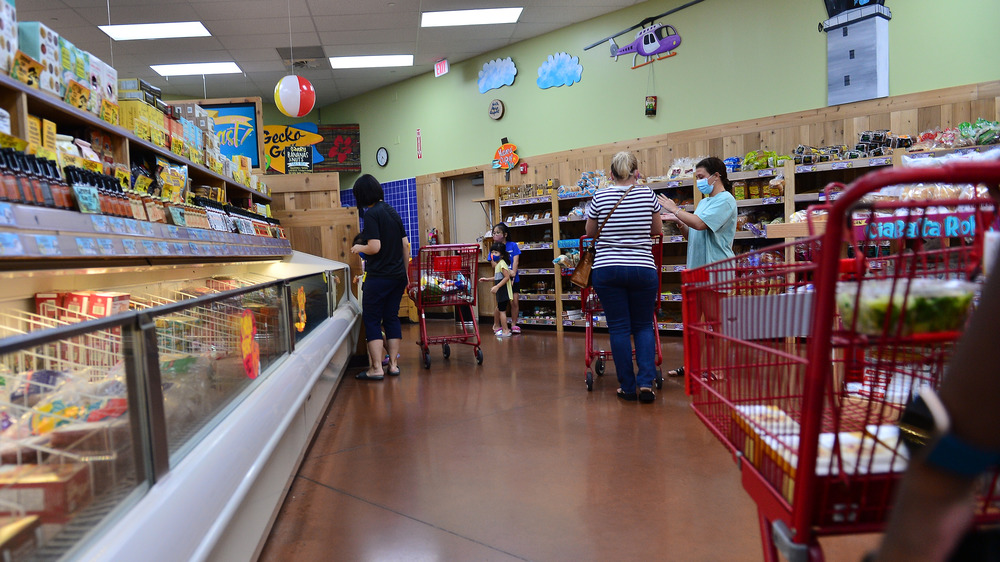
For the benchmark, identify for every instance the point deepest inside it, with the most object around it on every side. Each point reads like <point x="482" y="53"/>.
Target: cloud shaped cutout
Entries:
<point x="561" y="69"/>
<point x="497" y="73"/>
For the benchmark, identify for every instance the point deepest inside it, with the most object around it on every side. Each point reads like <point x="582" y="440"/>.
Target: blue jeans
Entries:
<point x="628" y="295"/>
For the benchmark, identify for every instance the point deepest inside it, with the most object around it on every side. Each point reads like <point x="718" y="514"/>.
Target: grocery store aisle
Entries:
<point x="515" y="460"/>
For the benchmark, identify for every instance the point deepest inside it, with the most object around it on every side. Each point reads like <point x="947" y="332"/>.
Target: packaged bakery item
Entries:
<point x="905" y="307"/>
<point x="51" y="491"/>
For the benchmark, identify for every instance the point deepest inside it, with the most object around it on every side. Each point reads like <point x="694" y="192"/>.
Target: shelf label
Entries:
<point x="879" y="161"/>
<point x="100" y="223"/>
<point x="87" y="246"/>
<point x="132" y="227"/>
<point x="149" y="247"/>
<point x="117" y="225"/>
<point x="765" y="173"/>
<point x="680" y="268"/>
<point x="219" y="249"/>
<point x="87" y="198"/>
<point x="545" y="247"/>
<point x="841" y="165"/>
<point x="147" y="228"/>
<point x="177" y="249"/>
<point x="673" y="183"/>
<point x="7" y="214"/>
<point x="129" y="246"/>
<point x="48" y="245"/>
<point x="163" y="248"/>
<point x="195" y="248"/>
<point x="769" y="201"/>
<point x="10" y="244"/>
<point x="802" y="169"/>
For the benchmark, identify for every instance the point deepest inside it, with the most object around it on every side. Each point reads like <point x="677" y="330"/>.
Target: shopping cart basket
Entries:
<point x="804" y="375"/>
<point x="445" y="275"/>
<point x="592" y="308"/>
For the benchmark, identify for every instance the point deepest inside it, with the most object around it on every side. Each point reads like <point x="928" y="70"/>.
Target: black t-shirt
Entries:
<point x="382" y="223"/>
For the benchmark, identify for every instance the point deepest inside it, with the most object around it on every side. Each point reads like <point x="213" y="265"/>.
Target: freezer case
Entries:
<point x="160" y="412"/>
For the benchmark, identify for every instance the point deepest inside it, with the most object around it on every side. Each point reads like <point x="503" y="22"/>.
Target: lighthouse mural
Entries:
<point x="857" y="50"/>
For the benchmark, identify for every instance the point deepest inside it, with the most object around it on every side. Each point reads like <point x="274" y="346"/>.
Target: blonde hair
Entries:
<point x="623" y="165"/>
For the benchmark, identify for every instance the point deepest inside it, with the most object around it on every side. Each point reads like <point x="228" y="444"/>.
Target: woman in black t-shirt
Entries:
<point x="385" y="280"/>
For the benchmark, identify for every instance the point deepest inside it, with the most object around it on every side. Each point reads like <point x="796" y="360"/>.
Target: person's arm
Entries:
<point x="684" y="218"/>
<point x="514" y="261"/>
<point x="406" y="248"/>
<point x="657" y="227"/>
<point x="934" y="508"/>
<point x="370" y="249"/>
<point x="503" y="282"/>
<point x="591" y="228"/>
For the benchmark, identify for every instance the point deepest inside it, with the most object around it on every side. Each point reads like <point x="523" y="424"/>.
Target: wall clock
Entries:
<point x="382" y="156"/>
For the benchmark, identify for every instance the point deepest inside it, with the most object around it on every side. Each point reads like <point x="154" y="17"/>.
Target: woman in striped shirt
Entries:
<point x="624" y="273"/>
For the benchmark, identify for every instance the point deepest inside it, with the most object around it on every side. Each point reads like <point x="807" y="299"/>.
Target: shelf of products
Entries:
<point x="536" y="297"/>
<point x="81" y="438"/>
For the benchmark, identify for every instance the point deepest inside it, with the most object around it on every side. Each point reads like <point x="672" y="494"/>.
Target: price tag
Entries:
<point x="841" y="165"/>
<point x="129" y="246"/>
<point x="546" y="246"/>
<point x="47" y="245"/>
<point x="87" y="199"/>
<point x="921" y="155"/>
<point x="675" y="239"/>
<point x="220" y="249"/>
<point x="162" y="248"/>
<point x="765" y="173"/>
<point x="87" y="246"/>
<point x="680" y="267"/>
<point x="146" y="228"/>
<point x="803" y="169"/>
<point x="879" y="162"/>
<point x="195" y="248"/>
<point x="178" y="249"/>
<point x="117" y="225"/>
<point x="563" y="218"/>
<point x="673" y="184"/>
<point x="173" y="231"/>
<point x="7" y="214"/>
<point x="149" y="247"/>
<point x="132" y="227"/>
<point x="100" y="223"/>
<point x="10" y="244"/>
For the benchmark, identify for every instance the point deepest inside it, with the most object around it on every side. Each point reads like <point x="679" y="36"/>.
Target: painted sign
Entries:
<point x="279" y="137"/>
<point x="950" y="225"/>
<point x="298" y="159"/>
<point x="505" y="157"/>
<point x="237" y="129"/>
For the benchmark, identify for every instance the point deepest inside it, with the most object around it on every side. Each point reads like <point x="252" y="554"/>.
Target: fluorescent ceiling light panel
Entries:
<point x="371" y="61"/>
<point x="170" y="30"/>
<point x="196" y="68"/>
<point x="470" y="17"/>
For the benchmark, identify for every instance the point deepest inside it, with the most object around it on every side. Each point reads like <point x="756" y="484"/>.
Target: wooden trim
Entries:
<point x="300" y="183"/>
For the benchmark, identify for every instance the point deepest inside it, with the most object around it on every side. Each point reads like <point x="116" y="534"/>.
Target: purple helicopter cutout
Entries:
<point x="654" y="41"/>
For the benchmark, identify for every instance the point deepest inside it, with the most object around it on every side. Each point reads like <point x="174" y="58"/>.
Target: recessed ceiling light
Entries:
<point x="470" y="17"/>
<point x="155" y="30"/>
<point x="371" y="61"/>
<point x="195" y="68"/>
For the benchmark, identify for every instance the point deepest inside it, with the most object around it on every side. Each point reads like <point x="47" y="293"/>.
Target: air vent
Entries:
<point x="303" y="57"/>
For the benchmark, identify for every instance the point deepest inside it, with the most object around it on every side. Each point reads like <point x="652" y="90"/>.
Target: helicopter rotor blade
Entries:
<point x="643" y="23"/>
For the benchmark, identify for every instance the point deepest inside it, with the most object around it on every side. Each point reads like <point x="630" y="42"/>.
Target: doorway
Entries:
<point x="469" y="220"/>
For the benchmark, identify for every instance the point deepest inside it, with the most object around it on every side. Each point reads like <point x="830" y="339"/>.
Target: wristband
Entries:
<point x="926" y="414"/>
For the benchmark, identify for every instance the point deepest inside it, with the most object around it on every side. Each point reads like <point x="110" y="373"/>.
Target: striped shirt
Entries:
<point x="625" y="239"/>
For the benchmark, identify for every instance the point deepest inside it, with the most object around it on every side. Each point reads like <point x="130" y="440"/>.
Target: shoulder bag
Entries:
<point x="581" y="275"/>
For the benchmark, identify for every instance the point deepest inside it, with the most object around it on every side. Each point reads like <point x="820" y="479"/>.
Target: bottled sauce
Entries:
<point x="66" y="194"/>
<point x="25" y="193"/>
<point x="8" y="183"/>
<point x="43" y="192"/>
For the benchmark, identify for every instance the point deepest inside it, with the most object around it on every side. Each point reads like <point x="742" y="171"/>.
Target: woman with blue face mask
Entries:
<point x="710" y="229"/>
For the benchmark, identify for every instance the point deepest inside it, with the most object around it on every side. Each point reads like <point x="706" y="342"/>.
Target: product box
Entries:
<point x="8" y="35"/>
<point x="51" y="491"/>
<point x="39" y="42"/>
<point x="96" y="76"/>
<point x="73" y="64"/>
<point x="47" y="304"/>
<point x="104" y="304"/>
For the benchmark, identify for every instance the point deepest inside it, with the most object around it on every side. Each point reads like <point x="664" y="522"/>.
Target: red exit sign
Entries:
<point x="441" y="68"/>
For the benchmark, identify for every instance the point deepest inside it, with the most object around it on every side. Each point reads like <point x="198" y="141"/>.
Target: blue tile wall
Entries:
<point x="402" y="196"/>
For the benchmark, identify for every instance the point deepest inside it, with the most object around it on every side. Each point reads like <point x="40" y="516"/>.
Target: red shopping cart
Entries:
<point x="591" y="307"/>
<point x="804" y="374"/>
<point x="445" y="275"/>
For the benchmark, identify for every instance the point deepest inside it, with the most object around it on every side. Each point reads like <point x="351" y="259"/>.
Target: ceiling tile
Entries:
<point x="468" y="32"/>
<point x="350" y="7"/>
<point x="330" y="38"/>
<point x="395" y="20"/>
<point x="381" y="49"/>
<point x="251" y="41"/>
<point x="226" y="10"/>
<point x="222" y="28"/>
<point x="149" y="13"/>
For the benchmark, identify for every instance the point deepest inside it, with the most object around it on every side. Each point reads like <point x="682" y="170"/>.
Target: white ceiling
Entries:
<point x="249" y="32"/>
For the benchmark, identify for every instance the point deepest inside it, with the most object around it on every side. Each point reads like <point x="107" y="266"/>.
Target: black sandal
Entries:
<point x="646" y="395"/>
<point x="626" y="396"/>
<point x="364" y="376"/>
<point x="678" y="372"/>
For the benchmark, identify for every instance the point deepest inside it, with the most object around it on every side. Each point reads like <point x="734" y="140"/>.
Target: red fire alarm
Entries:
<point x="524" y="167"/>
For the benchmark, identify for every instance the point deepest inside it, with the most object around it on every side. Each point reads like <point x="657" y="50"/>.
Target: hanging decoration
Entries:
<point x="294" y="96"/>
<point x="496" y="74"/>
<point x="651" y="94"/>
<point x="560" y="69"/>
<point x="654" y="41"/>
<point x="506" y="158"/>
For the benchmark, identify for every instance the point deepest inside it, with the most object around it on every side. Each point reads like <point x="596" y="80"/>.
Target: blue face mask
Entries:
<point x="704" y="186"/>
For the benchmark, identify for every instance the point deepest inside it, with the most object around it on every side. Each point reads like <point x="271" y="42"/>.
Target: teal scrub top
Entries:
<point x="716" y="242"/>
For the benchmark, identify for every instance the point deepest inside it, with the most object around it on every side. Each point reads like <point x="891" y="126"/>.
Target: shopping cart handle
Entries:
<point x="793" y="552"/>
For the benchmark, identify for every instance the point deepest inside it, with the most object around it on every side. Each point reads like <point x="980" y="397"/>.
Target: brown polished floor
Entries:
<point x="515" y="460"/>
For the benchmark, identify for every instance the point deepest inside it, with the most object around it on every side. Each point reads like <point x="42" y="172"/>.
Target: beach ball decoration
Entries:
<point x="294" y="96"/>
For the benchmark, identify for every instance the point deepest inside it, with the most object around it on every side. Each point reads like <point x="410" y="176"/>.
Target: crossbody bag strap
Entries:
<point x="607" y="218"/>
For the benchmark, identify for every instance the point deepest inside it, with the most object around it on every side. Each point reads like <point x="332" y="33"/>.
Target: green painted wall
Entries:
<point x="739" y="59"/>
